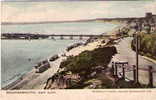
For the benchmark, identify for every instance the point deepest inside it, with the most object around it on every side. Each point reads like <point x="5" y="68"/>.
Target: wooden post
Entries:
<point x="134" y="73"/>
<point x="52" y="37"/>
<point x="123" y="72"/>
<point x="61" y="37"/>
<point x="113" y="68"/>
<point x="116" y="70"/>
<point x="71" y="37"/>
<point x="81" y="37"/>
<point x="137" y="60"/>
<point x="68" y="82"/>
<point x="150" y="76"/>
<point x="91" y="37"/>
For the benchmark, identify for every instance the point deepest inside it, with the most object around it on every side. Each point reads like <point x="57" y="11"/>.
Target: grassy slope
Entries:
<point x="85" y="63"/>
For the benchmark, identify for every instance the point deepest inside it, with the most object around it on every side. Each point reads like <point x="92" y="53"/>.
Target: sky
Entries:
<point x="68" y="11"/>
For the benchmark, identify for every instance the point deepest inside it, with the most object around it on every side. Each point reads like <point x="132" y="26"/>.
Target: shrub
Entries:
<point x="85" y="61"/>
<point x="79" y="63"/>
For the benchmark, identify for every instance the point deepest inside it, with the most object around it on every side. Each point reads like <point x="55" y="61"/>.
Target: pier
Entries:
<point x="50" y="36"/>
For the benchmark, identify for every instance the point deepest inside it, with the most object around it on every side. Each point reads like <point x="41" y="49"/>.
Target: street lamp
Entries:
<point x="137" y="47"/>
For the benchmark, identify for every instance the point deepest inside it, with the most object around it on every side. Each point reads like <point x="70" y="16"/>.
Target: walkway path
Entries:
<point x="125" y="53"/>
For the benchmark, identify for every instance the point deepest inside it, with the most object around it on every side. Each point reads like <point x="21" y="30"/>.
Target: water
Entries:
<point x="61" y="28"/>
<point x="15" y="54"/>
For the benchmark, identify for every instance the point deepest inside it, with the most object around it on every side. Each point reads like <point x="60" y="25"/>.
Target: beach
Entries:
<point x="33" y="80"/>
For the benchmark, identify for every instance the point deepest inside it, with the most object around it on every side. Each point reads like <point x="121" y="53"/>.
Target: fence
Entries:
<point x="127" y="68"/>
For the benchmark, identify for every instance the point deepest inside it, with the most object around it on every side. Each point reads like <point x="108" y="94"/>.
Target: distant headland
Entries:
<point x="149" y="14"/>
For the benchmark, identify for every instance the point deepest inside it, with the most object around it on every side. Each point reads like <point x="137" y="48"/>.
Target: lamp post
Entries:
<point x="137" y="47"/>
<point x="137" y="60"/>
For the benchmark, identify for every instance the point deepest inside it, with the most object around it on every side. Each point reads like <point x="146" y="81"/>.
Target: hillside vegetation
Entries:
<point x="147" y="45"/>
<point x="85" y="62"/>
<point x="88" y="70"/>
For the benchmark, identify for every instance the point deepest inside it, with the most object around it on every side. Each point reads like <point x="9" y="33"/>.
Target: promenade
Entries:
<point x="126" y="54"/>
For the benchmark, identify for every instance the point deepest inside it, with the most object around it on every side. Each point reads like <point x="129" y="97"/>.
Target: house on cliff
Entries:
<point x="145" y="24"/>
<point x="148" y="23"/>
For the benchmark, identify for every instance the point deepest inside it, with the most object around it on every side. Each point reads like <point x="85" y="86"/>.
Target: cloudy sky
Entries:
<point x="64" y="11"/>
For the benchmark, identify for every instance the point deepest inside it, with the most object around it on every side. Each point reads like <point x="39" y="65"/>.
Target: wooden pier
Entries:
<point x="50" y="36"/>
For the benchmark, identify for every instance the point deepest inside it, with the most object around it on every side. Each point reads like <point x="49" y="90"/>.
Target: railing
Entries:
<point x="127" y="68"/>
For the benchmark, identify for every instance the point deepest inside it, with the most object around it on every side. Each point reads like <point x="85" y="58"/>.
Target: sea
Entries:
<point x="19" y="56"/>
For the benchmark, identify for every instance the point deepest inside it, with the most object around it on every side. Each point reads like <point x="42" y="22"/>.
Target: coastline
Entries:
<point x="33" y="80"/>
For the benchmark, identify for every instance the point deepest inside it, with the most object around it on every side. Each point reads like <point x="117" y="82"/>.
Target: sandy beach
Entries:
<point x="33" y="80"/>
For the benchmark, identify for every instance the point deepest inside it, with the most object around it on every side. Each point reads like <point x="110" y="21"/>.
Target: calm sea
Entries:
<point x="15" y="54"/>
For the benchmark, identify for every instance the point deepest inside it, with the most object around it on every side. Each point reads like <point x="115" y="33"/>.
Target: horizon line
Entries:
<point x="81" y="20"/>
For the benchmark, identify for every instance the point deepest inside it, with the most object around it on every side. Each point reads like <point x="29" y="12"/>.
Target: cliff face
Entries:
<point x="89" y="70"/>
<point x="77" y="71"/>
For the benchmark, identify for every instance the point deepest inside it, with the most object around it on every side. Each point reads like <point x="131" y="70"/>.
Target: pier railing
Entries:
<point x="125" y="67"/>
